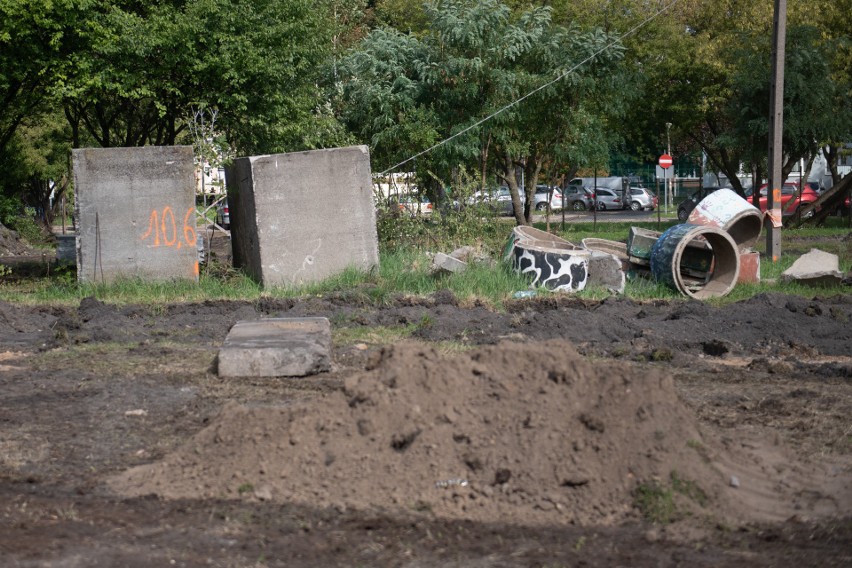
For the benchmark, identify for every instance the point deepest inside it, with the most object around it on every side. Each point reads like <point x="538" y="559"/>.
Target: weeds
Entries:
<point x="657" y="502"/>
<point x="404" y="270"/>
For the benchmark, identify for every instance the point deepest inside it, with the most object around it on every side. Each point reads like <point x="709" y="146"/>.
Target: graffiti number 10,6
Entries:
<point x="162" y="227"/>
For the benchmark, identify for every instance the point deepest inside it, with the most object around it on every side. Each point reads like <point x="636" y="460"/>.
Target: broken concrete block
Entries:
<point x="276" y="347"/>
<point x="445" y="263"/>
<point x="606" y="270"/>
<point x="464" y="253"/>
<point x="135" y="213"/>
<point x="302" y="216"/>
<point x="639" y="244"/>
<point x="815" y="268"/>
<point x="749" y="267"/>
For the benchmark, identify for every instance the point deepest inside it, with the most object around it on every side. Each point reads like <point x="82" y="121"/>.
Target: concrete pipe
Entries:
<point x="550" y="261"/>
<point x="728" y="211"/>
<point x="667" y="258"/>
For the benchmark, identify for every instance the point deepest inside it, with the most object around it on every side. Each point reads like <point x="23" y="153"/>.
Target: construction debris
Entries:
<point x="815" y="268"/>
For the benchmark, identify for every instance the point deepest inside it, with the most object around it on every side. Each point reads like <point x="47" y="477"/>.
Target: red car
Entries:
<point x="791" y="201"/>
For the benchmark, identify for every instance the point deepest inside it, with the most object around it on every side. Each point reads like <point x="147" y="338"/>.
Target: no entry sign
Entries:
<point x="665" y="161"/>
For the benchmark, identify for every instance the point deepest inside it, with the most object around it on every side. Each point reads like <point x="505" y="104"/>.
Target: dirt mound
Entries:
<point x="11" y="243"/>
<point x="527" y="433"/>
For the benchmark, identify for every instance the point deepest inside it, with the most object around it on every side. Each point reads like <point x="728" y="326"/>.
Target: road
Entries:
<point x="610" y="216"/>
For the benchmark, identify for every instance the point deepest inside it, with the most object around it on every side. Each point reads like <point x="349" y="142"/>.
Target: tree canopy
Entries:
<point x="603" y="78"/>
<point x="461" y="81"/>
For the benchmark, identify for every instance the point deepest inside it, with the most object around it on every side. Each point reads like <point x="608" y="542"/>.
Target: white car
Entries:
<point x="540" y="202"/>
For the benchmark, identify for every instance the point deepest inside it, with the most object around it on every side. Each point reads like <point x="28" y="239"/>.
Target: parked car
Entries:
<point x="223" y="215"/>
<point x="499" y="199"/>
<point x="607" y="199"/>
<point x="791" y="201"/>
<point x="687" y="205"/>
<point x="641" y="199"/>
<point x="540" y="201"/>
<point x="578" y="198"/>
<point x="413" y="204"/>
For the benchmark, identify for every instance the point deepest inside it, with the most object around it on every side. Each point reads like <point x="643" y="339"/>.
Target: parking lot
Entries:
<point x="620" y="216"/>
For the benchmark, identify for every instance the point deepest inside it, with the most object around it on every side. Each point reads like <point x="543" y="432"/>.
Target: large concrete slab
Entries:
<point x="276" y="347"/>
<point x="303" y="216"/>
<point x="815" y="268"/>
<point x="136" y="213"/>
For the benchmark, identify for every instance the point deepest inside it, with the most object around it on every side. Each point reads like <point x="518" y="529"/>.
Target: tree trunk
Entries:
<point x="508" y="175"/>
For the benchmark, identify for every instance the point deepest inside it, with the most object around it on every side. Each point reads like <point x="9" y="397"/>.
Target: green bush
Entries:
<point x="30" y="230"/>
<point x="10" y="208"/>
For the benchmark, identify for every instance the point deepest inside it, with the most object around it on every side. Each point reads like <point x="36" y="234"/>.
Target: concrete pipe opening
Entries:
<point x="728" y="211"/>
<point x="673" y="258"/>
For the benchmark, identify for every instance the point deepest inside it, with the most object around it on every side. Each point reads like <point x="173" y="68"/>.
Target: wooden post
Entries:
<point x="776" y="130"/>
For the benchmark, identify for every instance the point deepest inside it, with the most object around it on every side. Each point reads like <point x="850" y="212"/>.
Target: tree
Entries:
<point x="36" y="166"/>
<point x="710" y="79"/>
<point x="36" y="39"/>
<point x="256" y="61"/>
<point x="460" y="81"/>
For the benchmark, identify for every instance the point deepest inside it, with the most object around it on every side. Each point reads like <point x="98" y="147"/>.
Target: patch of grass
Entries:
<point x="405" y="271"/>
<point x="245" y="488"/>
<point x="688" y="488"/>
<point x="656" y="500"/>
<point x="662" y="355"/>
<point x="371" y="335"/>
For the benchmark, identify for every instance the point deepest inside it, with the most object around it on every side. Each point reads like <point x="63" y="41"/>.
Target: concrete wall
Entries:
<point x="303" y="216"/>
<point x="136" y="213"/>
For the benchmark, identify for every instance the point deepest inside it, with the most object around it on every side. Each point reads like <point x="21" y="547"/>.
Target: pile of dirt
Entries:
<point x="528" y="432"/>
<point x="11" y="243"/>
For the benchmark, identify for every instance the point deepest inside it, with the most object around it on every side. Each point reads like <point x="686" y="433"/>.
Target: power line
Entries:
<point x="534" y="91"/>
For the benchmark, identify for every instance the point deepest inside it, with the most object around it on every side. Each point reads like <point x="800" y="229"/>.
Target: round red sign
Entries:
<point x="665" y="161"/>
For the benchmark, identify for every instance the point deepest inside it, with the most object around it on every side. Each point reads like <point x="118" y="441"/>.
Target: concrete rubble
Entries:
<point x="703" y="258"/>
<point x="276" y="347"/>
<point x="447" y="264"/>
<point x="559" y="265"/>
<point x="815" y="268"/>
<point x="458" y="260"/>
<point x="709" y="254"/>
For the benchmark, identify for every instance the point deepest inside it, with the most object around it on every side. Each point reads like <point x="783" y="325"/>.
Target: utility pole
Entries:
<point x="669" y="181"/>
<point x="776" y="130"/>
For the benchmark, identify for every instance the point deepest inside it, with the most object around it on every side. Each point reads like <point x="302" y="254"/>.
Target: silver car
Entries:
<point x="540" y="201"/>
<point x="607" y="199"/>
<point x="578" y="198"/>
<point x="499" y="200"/>
<point x="641" y="199"/>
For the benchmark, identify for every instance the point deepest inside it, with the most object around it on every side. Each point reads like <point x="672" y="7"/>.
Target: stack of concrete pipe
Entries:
<point x="729" y="226"/>
<point x="703" y="258"/>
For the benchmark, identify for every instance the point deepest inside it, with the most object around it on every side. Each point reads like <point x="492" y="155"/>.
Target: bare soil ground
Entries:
<point x="559" y="433"/>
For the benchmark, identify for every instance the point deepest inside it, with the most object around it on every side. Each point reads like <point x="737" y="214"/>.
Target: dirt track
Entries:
<point x="548" y="429"/>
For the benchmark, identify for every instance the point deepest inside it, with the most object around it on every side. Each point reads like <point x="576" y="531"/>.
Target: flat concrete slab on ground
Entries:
<point x="815" y="268"/>
<point x="276" y="347"/>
